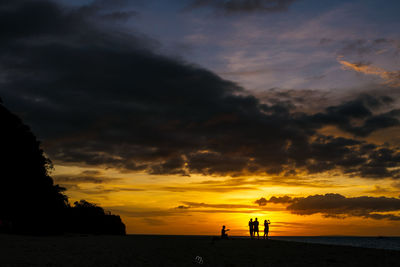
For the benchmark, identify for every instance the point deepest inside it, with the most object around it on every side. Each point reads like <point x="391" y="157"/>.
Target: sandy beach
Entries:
<point x="138" y="250"/>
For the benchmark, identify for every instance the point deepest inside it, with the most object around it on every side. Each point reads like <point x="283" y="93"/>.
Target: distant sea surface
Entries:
<point x="391" y="243"/>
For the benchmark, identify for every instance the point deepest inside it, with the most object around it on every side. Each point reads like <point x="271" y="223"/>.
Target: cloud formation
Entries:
<point x="244" y="6"/>
<point x="276" y="200"/>
<point x="104" y="98"/>
<point x="362" y="47"/>
<point x="390" y="78"/>
<point x="216" y="206"/>
<point x="261" y="202"/>
<point x="338" y="206"/>
<point x="100" y="189"/>
<point x="94" y="177"/>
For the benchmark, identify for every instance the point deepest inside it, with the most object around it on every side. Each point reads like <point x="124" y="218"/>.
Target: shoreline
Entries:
<point x="374" y="242"/>
<point x="155" y="250"/>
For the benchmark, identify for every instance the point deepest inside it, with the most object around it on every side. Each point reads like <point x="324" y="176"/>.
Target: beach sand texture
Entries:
<point x="137" y="250"/>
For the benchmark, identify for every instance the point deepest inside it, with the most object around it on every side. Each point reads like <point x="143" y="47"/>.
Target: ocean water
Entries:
<point x="391" y="243"/>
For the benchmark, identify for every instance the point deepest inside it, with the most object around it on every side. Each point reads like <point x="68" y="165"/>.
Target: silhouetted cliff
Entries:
<point x="88" y="218"/>
<point x="29" y="200"/>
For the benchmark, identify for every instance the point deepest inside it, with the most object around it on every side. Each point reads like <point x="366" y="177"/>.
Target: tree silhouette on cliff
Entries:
<point x="30" y="202"/>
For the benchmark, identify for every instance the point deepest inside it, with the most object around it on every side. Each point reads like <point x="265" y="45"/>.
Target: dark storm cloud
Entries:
<point x="101" y="97"/>
<point x="119" y="15"/>
<point x="108" y="10"/>
<point x="210" y="163"/>
<point x="175" y="165"/>
<point x="360" y="109"/>
<point x="240" y="6"/>
<point x="336" y="205"/>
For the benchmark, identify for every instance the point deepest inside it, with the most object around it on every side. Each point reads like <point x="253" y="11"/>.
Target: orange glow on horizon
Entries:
<point x="175" y="205"/>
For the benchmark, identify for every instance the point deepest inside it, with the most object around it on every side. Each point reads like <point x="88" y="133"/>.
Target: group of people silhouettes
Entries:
<point x="253" y="228"/>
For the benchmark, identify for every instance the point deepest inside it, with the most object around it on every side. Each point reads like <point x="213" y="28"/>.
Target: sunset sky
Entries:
<point x="184" y="115"/>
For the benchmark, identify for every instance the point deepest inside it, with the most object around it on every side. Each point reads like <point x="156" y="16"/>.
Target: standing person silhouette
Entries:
<point x="251" y="224"/>
<point x="266" y="228"/>
<point x="255" y="228"/>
